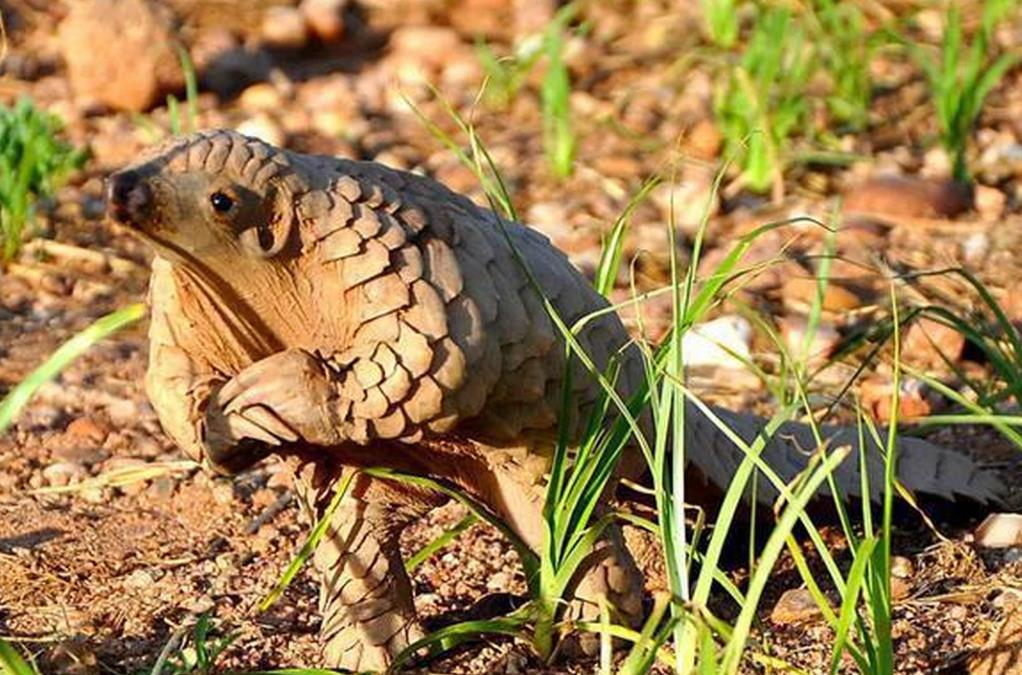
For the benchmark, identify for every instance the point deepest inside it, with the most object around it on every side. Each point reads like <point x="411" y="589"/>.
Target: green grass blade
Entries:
<point x="613" y="247"/>
<point x="309" y="547"/>
<point x="448" y="637"/>
<point x="430" y="549"/>
<point x="794" y="510"/>
<point x="856" y="575"/>
<point x="529" y="561"/>
<point x="13" y="663"/>
<point x="191" y="89"/>
<point x="18" y="398"/>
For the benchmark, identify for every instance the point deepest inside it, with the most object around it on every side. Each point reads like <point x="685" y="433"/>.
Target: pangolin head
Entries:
<point x="214" y="197"/>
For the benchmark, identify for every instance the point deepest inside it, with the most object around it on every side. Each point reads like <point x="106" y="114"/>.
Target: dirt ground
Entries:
<point x="97" y="578"/>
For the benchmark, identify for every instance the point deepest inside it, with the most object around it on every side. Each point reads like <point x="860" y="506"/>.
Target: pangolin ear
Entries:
<point x="274" y="233"/>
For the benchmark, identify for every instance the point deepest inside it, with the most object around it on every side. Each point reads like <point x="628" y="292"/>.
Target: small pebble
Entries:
<point x="284" y="27"/>
<point x="795" y="606"/>
<point x="723" y="343"/>
<point x="87" y="428"/>
<point x="990" y="203"/>
<point x="64" y="473"/>
<point x="902" y="567"/>
<point x="263" y="127"/>
<point x="260" y="97"/>
<point x="999" y="530"/>
<point x="325" y="18"/>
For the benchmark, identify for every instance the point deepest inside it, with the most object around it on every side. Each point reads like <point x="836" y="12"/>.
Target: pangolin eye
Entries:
<point x="221" y="202"/>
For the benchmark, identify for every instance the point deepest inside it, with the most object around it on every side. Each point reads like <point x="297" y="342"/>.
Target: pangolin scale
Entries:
<point x="345" y="314"/>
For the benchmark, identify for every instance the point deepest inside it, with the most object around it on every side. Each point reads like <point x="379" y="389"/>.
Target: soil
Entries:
<point x="97" y="577"/>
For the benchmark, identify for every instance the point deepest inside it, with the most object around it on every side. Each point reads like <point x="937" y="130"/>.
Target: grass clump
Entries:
<point x="721" y="19"/>
<point x="506" y="76"/>
<point x="559" y="142"/>
<point x="961" y="76"/>
<point x="33" y="163"/>
<point x="845" y="49"/>
<point x="760" y="103"/>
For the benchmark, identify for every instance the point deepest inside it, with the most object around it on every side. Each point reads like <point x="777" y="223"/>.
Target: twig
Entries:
<point x="170" y="646"/>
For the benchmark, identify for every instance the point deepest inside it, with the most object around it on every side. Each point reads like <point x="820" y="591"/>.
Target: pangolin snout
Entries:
<point x="128" y="197"/>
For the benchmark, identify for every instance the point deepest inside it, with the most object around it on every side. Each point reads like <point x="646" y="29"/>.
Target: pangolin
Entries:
<point x="344" y="314"/>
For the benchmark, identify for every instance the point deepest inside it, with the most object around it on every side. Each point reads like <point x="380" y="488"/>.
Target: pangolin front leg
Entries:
<point x="365" y="594"/>
<point x="288" y="397"/>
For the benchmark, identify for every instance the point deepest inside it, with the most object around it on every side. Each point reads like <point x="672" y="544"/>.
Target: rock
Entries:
<point x="999" y="530"/>
<point x="120" y="53"/>
<point x="1011" y="301"/>
<point x="419" y="53"/>
<point x="225" y="66"/>
<point x="1001" y="161"/>
<point x="688" y="201"/>
<point x="325" y="18"/>
<point x="859" y="234"/>
<point x="280" y="478"/>
<point x="877" y="392"/>
<point x="928" y="344"/>
<point x="899" y="196"/>
<point x="140" y="578"/>
<point x="902" y="567"/>
<point x="331" y="123"/>
<point x="550" y="217"/>
<point x="902" y="571"/>
<point x="704" y="140"/>
<point x="161" y="489"/>
<point x="900" y="588"/>
<point x="265" y="538"/>
<point x="87" y="429"/>
<point x="532" y="16"/>
<point x="990" y="202"/>
<point x="464" y="72"/>
<point x="393" y="159"/>
<point x="283" y="27"/>
<point x="799" y="293"/>
<point x="64" y="473"/>
<point x="1002" y="652"/>
<point x="260" y="97"/>
<point x="263" y="127"/>
<point x="125" y="412"/>
<point x="499" y="581"/>
<point x="936" y="163"/>
<point x="975" y="248"/>
<point x="617" y="166"/>
<point x="85" y="454"/>
<point x="481" y="19"/>
<point x="41" y="417"/>
<point x="825" y="339"/>
<point x="720" y="343"/>
<point x="795" y="606"/>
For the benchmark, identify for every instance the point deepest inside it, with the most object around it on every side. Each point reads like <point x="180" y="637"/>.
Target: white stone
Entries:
<point x="722" y="343"/>
<point x="999" y="530"/>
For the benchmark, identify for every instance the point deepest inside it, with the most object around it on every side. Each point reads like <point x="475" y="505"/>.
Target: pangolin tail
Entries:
<point x="921" y="466"/>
